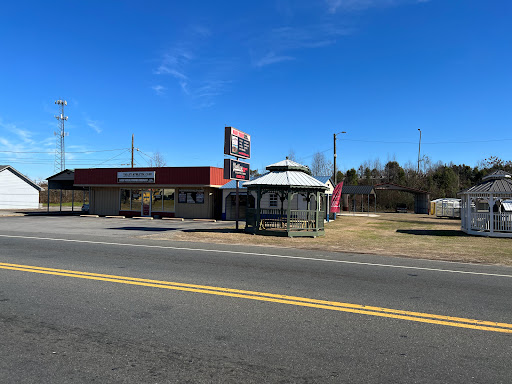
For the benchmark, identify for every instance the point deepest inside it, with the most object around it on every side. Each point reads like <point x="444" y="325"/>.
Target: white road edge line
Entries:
<point x="261" y="254"/>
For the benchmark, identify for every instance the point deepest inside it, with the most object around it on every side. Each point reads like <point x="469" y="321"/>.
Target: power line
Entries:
<point x="139" y="153"/>
<point x="430" y="143"/>
<point x="306" y="157"/>
<point x="119" y="154"/>
<point x="409" y="142"/>
<point x="51" y="153"/>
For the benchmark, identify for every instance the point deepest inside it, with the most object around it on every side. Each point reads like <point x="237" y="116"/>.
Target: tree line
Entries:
<point x="439" y="179"/>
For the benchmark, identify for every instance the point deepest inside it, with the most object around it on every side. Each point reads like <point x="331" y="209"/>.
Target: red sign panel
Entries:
<point x="236" y="170"/>
<point x="237" y="143"/>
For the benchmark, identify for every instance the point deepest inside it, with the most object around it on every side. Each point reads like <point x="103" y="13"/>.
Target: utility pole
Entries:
<point x="60" y="153"/>
<point x="419" y="152"/>
<point x="335" y="169"/>
<point x="132" y="150"/>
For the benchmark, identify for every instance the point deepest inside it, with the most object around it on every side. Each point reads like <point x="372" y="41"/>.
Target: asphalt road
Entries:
<point x="283" y="315"/>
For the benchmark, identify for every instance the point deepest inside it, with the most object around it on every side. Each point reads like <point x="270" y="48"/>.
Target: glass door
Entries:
<point x="146" y="203"/>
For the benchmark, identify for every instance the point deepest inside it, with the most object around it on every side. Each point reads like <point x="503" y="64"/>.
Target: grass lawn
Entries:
<point x="409" y="235"/>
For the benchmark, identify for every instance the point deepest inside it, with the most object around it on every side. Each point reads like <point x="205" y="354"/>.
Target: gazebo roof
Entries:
<point x="287" y="173"/>
<point x="287" y="179"/>
<point x="497" y="182"/>
<point x="288" y="165"/>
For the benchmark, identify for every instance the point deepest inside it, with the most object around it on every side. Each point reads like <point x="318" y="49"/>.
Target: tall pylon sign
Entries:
<point x="60" y="152"/>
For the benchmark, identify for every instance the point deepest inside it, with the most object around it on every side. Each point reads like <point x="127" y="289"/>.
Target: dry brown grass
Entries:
<point x="409" y="235"/>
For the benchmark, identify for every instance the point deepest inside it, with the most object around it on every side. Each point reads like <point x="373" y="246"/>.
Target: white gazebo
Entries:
<point x="485" y="206"/>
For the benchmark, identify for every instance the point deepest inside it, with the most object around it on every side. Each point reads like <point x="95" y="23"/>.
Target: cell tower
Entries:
<point x="60" y="153"/>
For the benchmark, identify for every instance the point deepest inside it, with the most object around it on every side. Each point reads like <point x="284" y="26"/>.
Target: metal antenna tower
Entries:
<point x="60" y="153"/>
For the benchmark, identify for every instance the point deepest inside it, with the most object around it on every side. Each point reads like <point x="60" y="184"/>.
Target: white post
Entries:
<point x="469" y="219"/>
<point x="491" y="212"/>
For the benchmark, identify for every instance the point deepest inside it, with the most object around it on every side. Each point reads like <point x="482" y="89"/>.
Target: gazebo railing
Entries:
<point x="480" y="221"/>
<point x="503" y="222"/>
<point x="277" y="219"/>
<point x="300" y="219"/>
<point x="273" y="218"/>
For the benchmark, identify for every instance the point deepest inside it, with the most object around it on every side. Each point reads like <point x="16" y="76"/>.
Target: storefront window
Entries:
<point x="125" y="200"/>
<point x="136" y="200"/>
<point x="168" y="200"/>
<point x="156" y="204"/>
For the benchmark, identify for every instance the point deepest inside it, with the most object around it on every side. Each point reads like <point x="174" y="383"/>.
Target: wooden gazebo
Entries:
<point x="288" y="180"/>
<point x="486" y="207"/>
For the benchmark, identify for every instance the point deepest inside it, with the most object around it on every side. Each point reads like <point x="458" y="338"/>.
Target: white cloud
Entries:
<point x="23" y="135"/>
<point x="94" y="124"/>
<point x="21" y="148"/>
<point x="334" y="6"/>
<point x="191" y="67"/>
<point x="272" y="58"/>
<point x="282" y="44"/>
<point x="174" y="62"/>
<point x="159" y="89"/>
<point x="200" y="31"/>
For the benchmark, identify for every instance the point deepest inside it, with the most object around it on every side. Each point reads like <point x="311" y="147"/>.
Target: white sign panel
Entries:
<point x="136" y="177"/>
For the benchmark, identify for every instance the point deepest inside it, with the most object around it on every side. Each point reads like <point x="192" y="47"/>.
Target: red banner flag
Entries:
<point x="336" y="198"/>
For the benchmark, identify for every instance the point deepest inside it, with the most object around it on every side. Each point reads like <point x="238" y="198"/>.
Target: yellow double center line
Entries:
<point x="270" y="297"/>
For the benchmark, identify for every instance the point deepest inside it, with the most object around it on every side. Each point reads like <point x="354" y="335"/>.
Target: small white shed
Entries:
<point x="17" y="191"/>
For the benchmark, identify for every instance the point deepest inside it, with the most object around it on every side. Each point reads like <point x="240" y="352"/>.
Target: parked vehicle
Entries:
<point x="401" y="208"/>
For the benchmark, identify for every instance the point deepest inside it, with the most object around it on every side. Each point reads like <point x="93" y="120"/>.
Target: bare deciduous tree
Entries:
<point x="321" y="166"/>
<point x="158" y="160"/>
<point x="291" y="155"/>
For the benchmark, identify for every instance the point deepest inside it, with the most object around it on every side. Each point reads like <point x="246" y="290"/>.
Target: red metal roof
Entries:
<point x="163" y="176"/>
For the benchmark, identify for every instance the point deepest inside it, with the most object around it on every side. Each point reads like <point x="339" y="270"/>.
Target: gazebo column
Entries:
<point x="282" y="197"/>
<point x="289" y="211"/>
<point x="469" y="220"/>
<point x="317" y="210"/>
<point x="258" y="205"/>
<point x="491" y="213"/>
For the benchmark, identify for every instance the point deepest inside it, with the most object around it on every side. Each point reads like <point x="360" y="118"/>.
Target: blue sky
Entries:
<point x="289" y="72"/>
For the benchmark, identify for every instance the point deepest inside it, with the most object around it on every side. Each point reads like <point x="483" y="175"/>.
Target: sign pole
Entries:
<point x="237" y="201"/>
<point x="238" y="145"/>
<point x="237" y="205"/>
